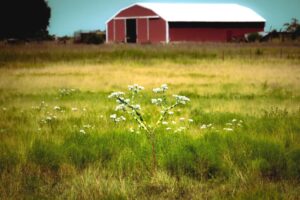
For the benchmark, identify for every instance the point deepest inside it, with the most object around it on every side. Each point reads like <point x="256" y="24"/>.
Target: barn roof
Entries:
<point x="199" y="12"/>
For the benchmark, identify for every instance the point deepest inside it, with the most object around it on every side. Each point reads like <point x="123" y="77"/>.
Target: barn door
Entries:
<point x="131" y="30"/>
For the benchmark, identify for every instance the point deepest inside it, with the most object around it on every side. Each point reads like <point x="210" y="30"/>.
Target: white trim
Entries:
<point x="134" y="4"/>
<point x="137" y="17"/>
<point x="106" y="33"/>
<point x="114" y="30"/>
<point x="125" y="27"/>
<point x="120" y="11"/>
<point x="167" y="32"/>
<point x="148" y="30"/>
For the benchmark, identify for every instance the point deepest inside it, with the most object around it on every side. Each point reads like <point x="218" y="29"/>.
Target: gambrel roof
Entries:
<point x="200" y="12"/>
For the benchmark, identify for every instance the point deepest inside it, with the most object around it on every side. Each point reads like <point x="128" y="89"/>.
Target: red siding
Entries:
<point x="110" y="28"/>
<point x="120" y="30"/>
<point x="157" y="30"/>
<point x="142" y="34"/>
<point x="136" y="11"/>
<point x="209" y="34"/>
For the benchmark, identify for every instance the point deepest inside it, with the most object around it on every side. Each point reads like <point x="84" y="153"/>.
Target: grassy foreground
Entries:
<point x="57" y="141"/>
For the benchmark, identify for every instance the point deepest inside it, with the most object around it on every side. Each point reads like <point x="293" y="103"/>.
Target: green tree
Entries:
<point x="293" y="27"/>
<point x="24" y="19"/>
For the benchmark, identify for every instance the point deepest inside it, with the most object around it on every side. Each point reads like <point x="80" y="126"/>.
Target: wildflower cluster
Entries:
<point x="163" y="88"/>
<point x="127" y="105"/>
<point x="117" y="119"/>
<point x="49" y="119"/>
<point x="229" y="126"/>
<point x="135" y="88"/>
<point x="233" y="124"/>
<point x="66" y="91"/>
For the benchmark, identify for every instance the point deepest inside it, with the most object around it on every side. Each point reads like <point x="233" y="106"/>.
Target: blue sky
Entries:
<point x="72" y="15"/>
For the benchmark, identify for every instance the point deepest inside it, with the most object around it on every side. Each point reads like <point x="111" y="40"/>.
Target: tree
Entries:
<point x="293" y="27"/>
<point x="24" y="19"/>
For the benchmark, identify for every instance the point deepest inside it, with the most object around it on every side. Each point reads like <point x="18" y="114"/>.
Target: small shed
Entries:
<point x="177" y="22"/>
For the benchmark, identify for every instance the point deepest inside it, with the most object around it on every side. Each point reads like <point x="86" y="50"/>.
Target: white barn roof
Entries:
<point x="199" y="12"/>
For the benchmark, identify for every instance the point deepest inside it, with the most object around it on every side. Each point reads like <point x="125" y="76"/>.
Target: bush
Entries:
<point x="254" y="37"/>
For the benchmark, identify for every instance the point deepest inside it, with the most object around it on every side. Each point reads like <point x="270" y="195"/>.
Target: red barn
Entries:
<point x="174" y="22"/>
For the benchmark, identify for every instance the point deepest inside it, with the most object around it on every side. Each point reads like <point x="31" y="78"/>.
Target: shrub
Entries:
<point x="253" y="37"/>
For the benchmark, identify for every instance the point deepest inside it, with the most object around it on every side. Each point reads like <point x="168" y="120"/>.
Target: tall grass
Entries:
<point x="250" y="151"/>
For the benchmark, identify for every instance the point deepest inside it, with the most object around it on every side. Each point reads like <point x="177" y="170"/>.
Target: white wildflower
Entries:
<point x="181" y="119"/>
<point x="157" y="90"/>
<point x="165" y="123"/>
<point x="164" y="87"/>
<point x="191" y="120"/>
<point x="116" y="94"/>
<point x="74" y="109"/>
<point x="4" y="109"/>
<point x="234" y="120"/>
<point x="168" y="128"/>
<point x="82" y="131"/>
<point x="209" y="125"/>
<point x="135" y="88"/>
<point x="154" y="101"/>
<point x="87" y="126"/>
<point x="181" y="99"/>
<point x="141" y="88"/>
<point x="123" y="118"/>
<point x="137" y="107"/>
<point x="227" y="129"/>
<point x="120" y="107"/>
<point x="56" y="108"/>
<point x="228" y="124"/>
<point x="203" y="126"/>
<point x="113" y="116"/>
<point x="240" y="125"/>
<point x="170" y="112"/>
<point x="180" y="129"/>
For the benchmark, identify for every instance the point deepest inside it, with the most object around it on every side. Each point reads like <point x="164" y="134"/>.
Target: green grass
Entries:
<point x="43" y="155"/>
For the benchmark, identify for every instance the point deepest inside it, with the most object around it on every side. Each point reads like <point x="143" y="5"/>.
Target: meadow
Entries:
<point x="57" y="140"/>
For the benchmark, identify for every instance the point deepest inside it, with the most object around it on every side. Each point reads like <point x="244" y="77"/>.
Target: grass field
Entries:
<point x="57" y="140"/>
